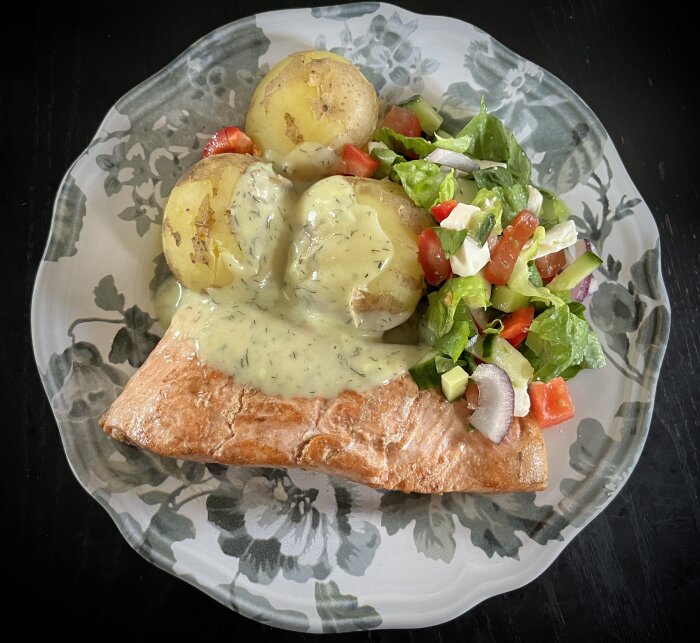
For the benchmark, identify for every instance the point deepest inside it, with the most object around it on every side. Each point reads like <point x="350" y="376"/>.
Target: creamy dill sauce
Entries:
<point x="260" y="218"/>
<point x="306" y="161"/>
<point x="338" y="250"/>
<point x="292" y="333"/>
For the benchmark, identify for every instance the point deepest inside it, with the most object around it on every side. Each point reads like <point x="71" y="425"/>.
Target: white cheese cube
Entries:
<point x="557" y="238"/>
<point x="534" y="200"/>
<point x="460" y="217"/>
<point x="470" y="258"/>
<point x="522" y="401"/>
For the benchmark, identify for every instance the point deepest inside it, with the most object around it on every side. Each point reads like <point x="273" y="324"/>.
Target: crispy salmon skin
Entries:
<point x="392" y="437"/>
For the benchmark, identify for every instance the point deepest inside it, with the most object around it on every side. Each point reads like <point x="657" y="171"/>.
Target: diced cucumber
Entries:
<point x="428" y="117"/>
<point x="507" y="300"/>
<point x="425" y="374"/>
<point x="454" y="383"/>
<point x="481" y="226"/>
<point x="576" y="272"/>
<point x="510" y="359"/>
<point x="488" y="343"/>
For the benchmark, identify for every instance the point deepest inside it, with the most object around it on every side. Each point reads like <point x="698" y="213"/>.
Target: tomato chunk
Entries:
<point x="442" y="210"/>
<point x="357" y="162"/>
<point x="229" y="139"/>
<point x="516" y="325"/>
<point x="436" y="265"/>
<point x="403" y="121"/>
<point x="549" y="265"/>
<point x="511" y="242"/>
<point x="551" y="402"/>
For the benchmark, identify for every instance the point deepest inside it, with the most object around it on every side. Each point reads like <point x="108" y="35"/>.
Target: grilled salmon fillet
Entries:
<point x="392" y="437"/>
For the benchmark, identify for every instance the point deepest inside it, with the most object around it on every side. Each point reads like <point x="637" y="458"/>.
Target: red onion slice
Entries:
<point x="452" y="159"/>
<point x="589" y="285"/>
<point x="581" y="246"/>
<point x="494" y="415"/>
<point x="580" y="291"/>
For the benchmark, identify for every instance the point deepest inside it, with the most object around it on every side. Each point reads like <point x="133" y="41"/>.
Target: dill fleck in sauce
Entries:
<point x="291" y="333"/>
<point x="339" y="248"/>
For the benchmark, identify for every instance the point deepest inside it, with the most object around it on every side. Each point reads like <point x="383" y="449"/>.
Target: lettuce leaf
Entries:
<point x="490" y="139"/>
<point x="561" y="342"/>
<point x="450" y="240"/>
<point x="418" y="145"/>
<point x="493" y="177"/>
<point x="511" y="200"/>
<point x="423" y="182"/>
<point x="402" y="144"/>
<point x="456" y="339"/>
<point x="387" y="159"/>
<point x="520" y="277"/>
<point x="447" y="188"/>
<point x="448" y="308"/>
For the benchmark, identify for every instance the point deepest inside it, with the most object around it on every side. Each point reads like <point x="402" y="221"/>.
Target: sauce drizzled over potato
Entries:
<point x="290" y="281"/>
<point x="286" y="323"/>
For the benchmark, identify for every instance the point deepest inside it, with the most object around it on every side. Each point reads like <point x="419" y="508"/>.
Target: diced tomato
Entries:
<point x="403" y="121"/>
<point x="358" y="162"/>
<point x="436" y="265"/>
<point x="511" y="242"/>
<point x="549" y="265"/>
<point x="517" y="340"/>
<point x="471" y="395"/>
<point x="229" y="139"/>
<point x="551" y="402"/>
<point x="442" y="210"/>
<point x="516" y="325"/>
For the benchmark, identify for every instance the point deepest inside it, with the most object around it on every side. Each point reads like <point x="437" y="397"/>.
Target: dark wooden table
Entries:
<point x="632" y="574"/>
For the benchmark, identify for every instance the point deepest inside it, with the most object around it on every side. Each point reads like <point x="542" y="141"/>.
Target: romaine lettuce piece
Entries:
<point x="561" y="343"/>
<point x="491" y="139"/>
<point x="423" y="182"/>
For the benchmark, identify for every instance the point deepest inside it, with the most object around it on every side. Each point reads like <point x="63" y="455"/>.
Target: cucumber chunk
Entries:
<point x="576" y="272"/>
<point x="481" y="226"/>
<point x="428" y="117"/>
<point x="507" y="300"/>
<point x="454" y="383"/>
<point x="425" y="374"/>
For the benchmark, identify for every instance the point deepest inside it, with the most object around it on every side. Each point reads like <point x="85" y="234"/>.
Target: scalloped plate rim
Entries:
<point x="537" y="564"/>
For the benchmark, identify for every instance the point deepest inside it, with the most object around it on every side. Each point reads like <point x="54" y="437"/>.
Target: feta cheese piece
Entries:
<point x="558" y="237"/>
<point x="471" y="257"/>
<point x="460" y="217"/>
<point x="534" y="200"/>
<point x="522" y="401"/>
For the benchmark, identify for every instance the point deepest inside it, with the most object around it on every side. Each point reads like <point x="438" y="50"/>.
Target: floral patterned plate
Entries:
<point x="299" y="550"/>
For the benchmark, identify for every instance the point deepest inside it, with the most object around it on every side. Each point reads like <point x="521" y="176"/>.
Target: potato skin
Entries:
<point x="312" y="96"/>
<point x="195" y="222"/>
<point x="391" y="297"/>
<point x="334" y="257"/>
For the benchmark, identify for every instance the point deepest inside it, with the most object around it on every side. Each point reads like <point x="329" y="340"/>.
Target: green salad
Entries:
<point x="506" y="276"/>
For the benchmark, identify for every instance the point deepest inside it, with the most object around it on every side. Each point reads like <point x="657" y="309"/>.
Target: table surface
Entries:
<point x="633" y="573"/>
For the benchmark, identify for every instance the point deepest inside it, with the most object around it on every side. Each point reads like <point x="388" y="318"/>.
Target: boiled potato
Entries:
<point x="226" y="218"/>
<point x="354" y="257"/>
<point x="312" y="97"/>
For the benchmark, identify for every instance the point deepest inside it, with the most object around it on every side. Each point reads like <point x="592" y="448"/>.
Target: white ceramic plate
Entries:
<point x="341" y="556"/>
